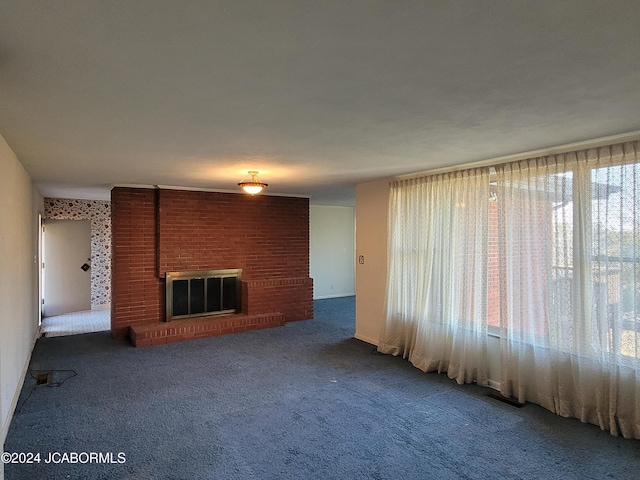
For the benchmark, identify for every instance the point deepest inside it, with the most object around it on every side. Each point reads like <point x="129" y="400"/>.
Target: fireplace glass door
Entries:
<point x="210" y="292"/>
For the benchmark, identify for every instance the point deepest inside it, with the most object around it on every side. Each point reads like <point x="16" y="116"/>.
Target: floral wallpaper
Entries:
<point x="99" y="212"/>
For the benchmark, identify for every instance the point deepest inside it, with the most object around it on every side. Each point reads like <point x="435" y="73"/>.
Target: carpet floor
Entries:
<point x="303" y="401"/>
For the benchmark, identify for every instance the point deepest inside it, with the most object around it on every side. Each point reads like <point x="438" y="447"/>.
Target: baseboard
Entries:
<point x="16" y="395"/>
<point x="339" y="295"/>
<point x="106" y="306"/>
<point x="493" y="384"/>
<point x="366" y="339"/>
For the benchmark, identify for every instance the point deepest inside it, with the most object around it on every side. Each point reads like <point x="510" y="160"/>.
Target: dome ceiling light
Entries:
<point x="252" y="184"/>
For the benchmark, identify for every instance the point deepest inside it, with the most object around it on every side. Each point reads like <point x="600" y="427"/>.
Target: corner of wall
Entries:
<point x="372" y="205"/>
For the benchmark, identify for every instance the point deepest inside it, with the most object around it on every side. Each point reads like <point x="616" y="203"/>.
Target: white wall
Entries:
<point x="19" y="261"/>
<point x="372" y="204"/>
<point x="331" y="251"/>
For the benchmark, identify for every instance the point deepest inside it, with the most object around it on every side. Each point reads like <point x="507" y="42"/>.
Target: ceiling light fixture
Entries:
<point x="252" y="184"/>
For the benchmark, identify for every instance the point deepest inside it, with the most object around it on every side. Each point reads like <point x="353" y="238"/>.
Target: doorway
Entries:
<point x="66" y="266"/>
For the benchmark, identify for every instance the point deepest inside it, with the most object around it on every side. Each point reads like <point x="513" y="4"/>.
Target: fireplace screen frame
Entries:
<point x="170" y="277"/>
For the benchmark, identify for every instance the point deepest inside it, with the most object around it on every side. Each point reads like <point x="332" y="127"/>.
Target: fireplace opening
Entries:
<point x="198" y="293"/>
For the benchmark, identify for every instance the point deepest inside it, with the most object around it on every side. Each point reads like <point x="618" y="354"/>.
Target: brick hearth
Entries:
<point x="169" y="332"/>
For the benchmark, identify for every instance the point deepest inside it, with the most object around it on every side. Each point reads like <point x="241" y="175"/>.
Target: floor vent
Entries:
<point x="511" y="401"/>
<point x="43" y="378"/>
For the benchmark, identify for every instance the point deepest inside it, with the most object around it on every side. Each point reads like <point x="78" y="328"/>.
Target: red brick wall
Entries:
<point x="137" y="293"/>
<point x="292" y="297"/>
<point x="268" y="237"/>
<point x="159" y="231"/>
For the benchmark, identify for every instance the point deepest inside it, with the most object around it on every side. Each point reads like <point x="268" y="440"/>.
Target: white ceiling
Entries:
<point x="316" y="95"/>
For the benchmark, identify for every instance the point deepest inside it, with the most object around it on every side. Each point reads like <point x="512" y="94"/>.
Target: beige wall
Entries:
<point x="372" y="209"/>
<point x="331" y="251"/>
<point x="19" y="262"/>
<point x="372" y="204"/>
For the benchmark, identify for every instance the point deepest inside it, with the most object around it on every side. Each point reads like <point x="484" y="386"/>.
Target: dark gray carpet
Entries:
<point x="298" y="402"/>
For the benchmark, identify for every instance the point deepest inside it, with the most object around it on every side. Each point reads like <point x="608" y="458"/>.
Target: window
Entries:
<point x="547" y="256"/>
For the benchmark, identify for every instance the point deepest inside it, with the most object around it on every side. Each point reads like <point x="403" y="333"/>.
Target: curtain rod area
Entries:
<point x="569" y="147"/>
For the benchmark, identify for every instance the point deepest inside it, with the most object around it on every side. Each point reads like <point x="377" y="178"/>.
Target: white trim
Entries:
<point x="196" y="189"/>
<point x="225" y="190"/>
<point x="16" y="395"/>
<point x="134" y="185"/>
<point x="339" y="295"/>
<point x="99" y="308"/>
<point x="366" y="339"/>
<point x="493" y="384"/>
<point x="203" y="189"/>
<point x="542" y="152"/>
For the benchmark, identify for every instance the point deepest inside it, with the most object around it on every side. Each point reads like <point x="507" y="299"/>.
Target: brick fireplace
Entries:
<point x="158" y="231"/>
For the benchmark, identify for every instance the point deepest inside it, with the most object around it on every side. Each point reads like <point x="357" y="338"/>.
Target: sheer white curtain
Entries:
<point x="437" y="284"/>
<point x="569" y="254"/>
